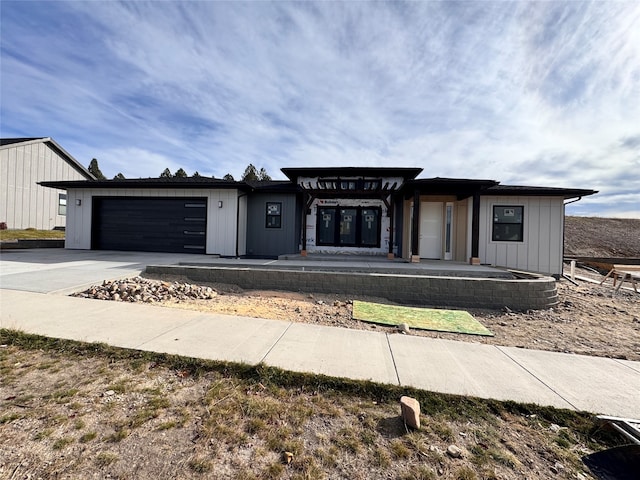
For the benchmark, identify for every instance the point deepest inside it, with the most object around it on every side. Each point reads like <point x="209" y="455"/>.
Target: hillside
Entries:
<point x="602" y="237"/>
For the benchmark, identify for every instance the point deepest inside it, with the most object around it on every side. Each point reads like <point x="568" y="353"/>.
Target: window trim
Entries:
<point x="273" y="216"/>
<point x="494" y="223"/>
<point x="62" y="207"/>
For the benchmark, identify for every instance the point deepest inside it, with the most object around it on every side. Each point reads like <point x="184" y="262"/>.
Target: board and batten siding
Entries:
<point x="24" y="203"/>
<point x="272" y="242"/>
<point x="542" y="245"/>
<point x="222" y="222"/>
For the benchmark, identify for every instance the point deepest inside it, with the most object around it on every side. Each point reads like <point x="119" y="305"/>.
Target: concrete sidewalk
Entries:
<point x="599" y="385"/>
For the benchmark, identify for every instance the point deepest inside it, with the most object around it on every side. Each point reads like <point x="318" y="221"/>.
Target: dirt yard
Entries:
<point x="590" y="319"/>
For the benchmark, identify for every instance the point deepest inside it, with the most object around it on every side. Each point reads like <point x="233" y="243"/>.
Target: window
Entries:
<point x="62" y="204"/>
<point x="348" y="226"/>
<point x="507" y="223"/>
<point x="274" y="214"/>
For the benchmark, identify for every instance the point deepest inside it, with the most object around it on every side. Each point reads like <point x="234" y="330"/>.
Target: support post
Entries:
<point x="390" y="210"/>
<point x="475" y="231"/>
<point x="303" y="251"/>
<point x="415" y="228"/>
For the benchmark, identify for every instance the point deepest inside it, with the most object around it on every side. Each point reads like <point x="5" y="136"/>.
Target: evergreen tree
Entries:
<point x="119" y="176"/>
<point x="196" y="174"/>
<point x="250" y="174"/>
<point x="228" y="177"/>
<point x="180" y="173"/>
<point x="263" y="176"/>
<point x="166" y="173"/>
<point x="95" y="170"/>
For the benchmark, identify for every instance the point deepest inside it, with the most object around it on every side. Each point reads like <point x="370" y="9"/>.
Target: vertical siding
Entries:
<point x="541" y="248"/>
<point x="24" y="203"/>
<point x="271" y="242"/>
<point x="242" y="225"/>
<point x="221" y="222"/>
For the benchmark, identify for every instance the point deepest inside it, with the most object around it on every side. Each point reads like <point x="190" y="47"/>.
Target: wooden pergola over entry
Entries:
<point x="350" y="183"/>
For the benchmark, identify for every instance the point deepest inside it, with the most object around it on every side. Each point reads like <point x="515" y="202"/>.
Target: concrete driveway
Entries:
<point x="53" y="270"/>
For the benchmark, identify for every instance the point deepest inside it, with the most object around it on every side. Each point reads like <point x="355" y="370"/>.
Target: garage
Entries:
<point x="149" y="224"/>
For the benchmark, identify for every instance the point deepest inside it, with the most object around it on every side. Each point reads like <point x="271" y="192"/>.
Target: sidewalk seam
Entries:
<point x="617" y="360"/>
<point x="393" y="359"/>
<point x="275" y="343"/>
<point x="534" y="376"/>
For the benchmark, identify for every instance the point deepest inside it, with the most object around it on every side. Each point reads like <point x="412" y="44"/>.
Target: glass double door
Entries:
<point x="349" y="226"/>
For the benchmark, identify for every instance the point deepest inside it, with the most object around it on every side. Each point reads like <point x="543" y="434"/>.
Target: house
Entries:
<point x="345" y="210"/>
<point x="24" y="162"/>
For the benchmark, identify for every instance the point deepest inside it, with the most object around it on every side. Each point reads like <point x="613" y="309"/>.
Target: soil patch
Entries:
<point x="590" y="319"/>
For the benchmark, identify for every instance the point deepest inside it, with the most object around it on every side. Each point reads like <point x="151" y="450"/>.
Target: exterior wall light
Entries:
<point x="78" y="202"/>
<point x="219" y="203"/>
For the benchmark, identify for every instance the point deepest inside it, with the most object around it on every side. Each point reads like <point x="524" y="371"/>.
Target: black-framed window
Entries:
<point x="508" y="223"/>
<point x="62" y="204"/>
<point x="274" y="215"/>
<point x="348" y="226"/>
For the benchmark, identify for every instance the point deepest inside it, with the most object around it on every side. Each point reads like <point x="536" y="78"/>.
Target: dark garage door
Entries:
<point x="149" y="224"/>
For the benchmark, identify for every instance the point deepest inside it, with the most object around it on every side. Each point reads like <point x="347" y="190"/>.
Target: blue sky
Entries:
<point x="544" y="93"/>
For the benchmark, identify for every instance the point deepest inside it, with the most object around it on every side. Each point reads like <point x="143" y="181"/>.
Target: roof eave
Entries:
<point x="72" y="161"/>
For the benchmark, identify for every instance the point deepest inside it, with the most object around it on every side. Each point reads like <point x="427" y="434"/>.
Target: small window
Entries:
<point x="507" y="223"/>
<point x="62" y="204"/>
<point x="274" y="214"/>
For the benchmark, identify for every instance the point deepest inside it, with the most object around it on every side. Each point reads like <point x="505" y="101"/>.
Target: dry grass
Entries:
<point x="30" y="234"/>
<point x="80" y="410"/>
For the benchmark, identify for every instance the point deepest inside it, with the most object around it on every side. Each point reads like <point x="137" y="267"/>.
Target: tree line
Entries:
<point x="251" y="173"/>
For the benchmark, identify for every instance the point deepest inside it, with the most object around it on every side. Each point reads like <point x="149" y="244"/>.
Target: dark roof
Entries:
<point x="272" y="186"/>
<point x="406" y="173"/>
<point x="538" y="191"/>
<point x="7" y="142"/>
<point x="173" y="182"/>
<point x="11" y="141"/>
<point x="461" y="187"/>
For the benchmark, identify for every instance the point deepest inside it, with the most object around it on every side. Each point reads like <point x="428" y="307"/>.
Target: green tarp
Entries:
<point x="457" y="321"/>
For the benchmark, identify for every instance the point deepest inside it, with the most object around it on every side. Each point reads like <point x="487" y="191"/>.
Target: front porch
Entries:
<point x="431" y="282"/>
<point x="346" y="262"/>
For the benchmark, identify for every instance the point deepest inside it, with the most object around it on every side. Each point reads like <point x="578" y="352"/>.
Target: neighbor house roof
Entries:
<point x="16" y="142"/>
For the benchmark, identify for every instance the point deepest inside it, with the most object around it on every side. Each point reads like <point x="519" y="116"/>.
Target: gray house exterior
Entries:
<point x="345" y="210"/>
<point x="273" y="220"/>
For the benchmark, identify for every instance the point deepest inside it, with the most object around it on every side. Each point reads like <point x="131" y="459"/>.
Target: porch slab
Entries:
<point x="360" y="264"/>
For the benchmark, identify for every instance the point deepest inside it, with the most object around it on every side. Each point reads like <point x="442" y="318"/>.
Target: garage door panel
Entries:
<point x="149" y="224"/>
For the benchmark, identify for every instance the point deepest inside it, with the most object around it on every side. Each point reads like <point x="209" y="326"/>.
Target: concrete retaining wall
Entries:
<point x="493" y="293"/>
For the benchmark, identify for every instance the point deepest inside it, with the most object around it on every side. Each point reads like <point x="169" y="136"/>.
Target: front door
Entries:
<point x="431" y="219"/>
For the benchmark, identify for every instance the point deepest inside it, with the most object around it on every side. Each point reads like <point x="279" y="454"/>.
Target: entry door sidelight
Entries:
<point x="348" y="218"/>
<point x="326" y="226"/>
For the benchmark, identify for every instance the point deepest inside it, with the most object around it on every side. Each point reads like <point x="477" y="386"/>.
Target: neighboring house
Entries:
<point x="372" y="211"/>
<point x="24" y="162"/>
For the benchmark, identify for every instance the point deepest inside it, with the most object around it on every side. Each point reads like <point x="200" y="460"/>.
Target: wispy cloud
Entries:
<point x="542" y="93"/>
